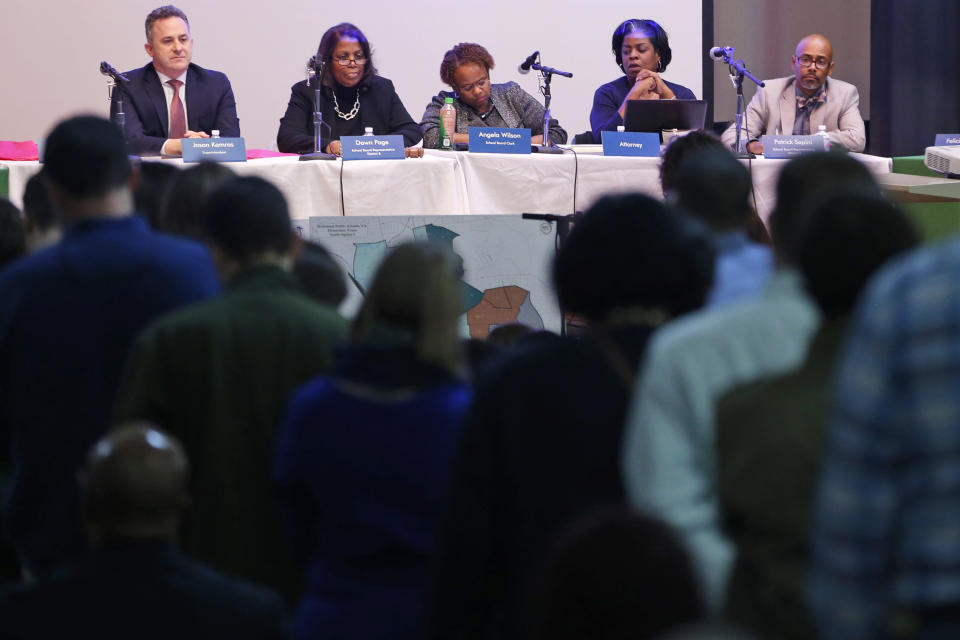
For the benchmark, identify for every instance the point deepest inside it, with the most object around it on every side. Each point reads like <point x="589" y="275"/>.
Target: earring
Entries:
<point x="659" y="66"/>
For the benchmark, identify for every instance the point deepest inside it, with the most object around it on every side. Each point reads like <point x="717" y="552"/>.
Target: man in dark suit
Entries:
<point x="135" y="583"/>
<point x="172" y="98"/>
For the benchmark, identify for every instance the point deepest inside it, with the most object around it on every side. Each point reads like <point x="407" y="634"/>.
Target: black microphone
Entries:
<point x="107" y="70"/>
<point x="526" y="64"/>
<point x="721" y="53"/>
<point x="314" y="68"/>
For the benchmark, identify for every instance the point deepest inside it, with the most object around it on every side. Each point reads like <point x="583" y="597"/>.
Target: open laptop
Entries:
<point x="656" y="115"/>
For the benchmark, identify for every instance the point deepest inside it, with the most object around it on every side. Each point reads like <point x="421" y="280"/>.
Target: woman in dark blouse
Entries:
<point x="352" y="97"/>
<point x="642" y="51"/>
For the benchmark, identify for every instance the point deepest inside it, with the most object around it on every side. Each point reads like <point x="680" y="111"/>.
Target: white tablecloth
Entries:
<point x="464" y="183"/>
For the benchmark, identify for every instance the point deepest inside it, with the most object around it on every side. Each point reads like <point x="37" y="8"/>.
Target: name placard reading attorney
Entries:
<point x="778" y="147"/>
<point x="499" y="140"/>
<point x="214" y="150"/>
<point x="630" y="143"/>
<point x="372" y="148"/>
<point x="947" y="140"/>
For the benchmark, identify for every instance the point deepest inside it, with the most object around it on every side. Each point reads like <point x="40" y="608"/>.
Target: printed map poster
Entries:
<point x="506" y="262"/>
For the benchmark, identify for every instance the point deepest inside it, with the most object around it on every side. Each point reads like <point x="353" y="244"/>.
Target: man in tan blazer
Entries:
<point x="799" y="104"/>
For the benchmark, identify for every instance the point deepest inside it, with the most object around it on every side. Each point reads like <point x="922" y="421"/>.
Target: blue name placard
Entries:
<point x="630" y="143"/>
<point x="790" y="146"/>
<point x="372" y="148"/>
<point x="948" y="139"/>
<point x="499" y="140"/>
<point x="214" y="150"/>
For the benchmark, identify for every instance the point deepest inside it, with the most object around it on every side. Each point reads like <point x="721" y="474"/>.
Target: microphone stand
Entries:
<point x="563" y="230"/>
<point x="115" y="81"/>
<point x="314" y="69"/>
<point x="547" y="74"/>
<point x="738" y="70"/>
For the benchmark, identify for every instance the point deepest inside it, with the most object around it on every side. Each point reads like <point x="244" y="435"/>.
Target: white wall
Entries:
<point x="51" y="51"/>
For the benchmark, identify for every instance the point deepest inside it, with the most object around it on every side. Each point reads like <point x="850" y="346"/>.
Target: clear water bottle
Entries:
<point x="822" y="132"/>
<point x="448" y="124"/>
<point x="368" y="131"/>
<point x="215" y="133"/>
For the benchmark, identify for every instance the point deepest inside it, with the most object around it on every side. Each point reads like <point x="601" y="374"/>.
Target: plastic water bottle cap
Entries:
<point x="216" y="133"/>
<point x="448" y="100"/>
<point x="621" y="128"/>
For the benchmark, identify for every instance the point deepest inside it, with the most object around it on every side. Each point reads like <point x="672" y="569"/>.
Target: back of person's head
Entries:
<point x="86" y="157"/>
<point x="319" y="274"/>
<point x="632" y="256"/>
<point x="508" y="335"/>
<point x="134" y="484"/>
<point x="715" y="187"/>
<point x="151" y="191"/>
<point x="617" y="575"/>
<point x="804" y="181"/>
<point x="846" y="238"/>
<point x="13" y="236"/>
<point x="39" y="212"/>
<point x="708" y="631"/>
<point x="185" y="203"/>
<point x="681" y="148"/>
<point x="416" y="293"/>
<point x="247" y="220"/>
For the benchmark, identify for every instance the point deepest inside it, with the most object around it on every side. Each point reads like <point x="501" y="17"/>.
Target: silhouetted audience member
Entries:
<point x="319" y="274"/>
<point x="886" y="549"/>
<point x="13" y="236"/>
<point x="715" y="188"/>
<point x="69" y="313"/>
<point x="618" y="575"/>
<point x="669" y="459"/>
<point x="135" y="583"/>
<point x="363" y="461"/>
<point x="543" y="440"/>
<point x="183" y="204"/>
<point x="508" y="336"/>
<point x="151" y="191"/>
<point x="43" y="222"/>
<point x="770" y="433"/>
<point x="221" y="373"/>
<point x="696" y="142"/>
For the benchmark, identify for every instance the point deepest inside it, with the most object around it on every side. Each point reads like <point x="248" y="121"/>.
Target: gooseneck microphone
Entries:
<point x="108" y="70"/>
<point x="526" y="64"/>
<point x="721" y="53"/>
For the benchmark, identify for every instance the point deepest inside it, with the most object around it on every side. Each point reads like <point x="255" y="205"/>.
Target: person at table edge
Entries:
<point x="642" y="51"/>
<point x="799" y="104"/>
<point x="466" y="69"/>
<point x="171" y="98"/>
<point x="352" y="96"/>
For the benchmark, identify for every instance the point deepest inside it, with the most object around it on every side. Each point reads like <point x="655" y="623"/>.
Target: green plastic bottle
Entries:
<point x="448" y="124"/>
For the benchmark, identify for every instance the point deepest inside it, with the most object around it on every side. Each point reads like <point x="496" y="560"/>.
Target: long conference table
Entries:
<point x="462" y="183"/>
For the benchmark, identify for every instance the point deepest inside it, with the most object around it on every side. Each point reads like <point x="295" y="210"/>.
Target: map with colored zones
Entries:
<point x="506" y="262"/>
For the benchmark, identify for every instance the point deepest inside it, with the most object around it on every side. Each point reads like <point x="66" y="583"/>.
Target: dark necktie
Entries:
<point x="178" y="120"/>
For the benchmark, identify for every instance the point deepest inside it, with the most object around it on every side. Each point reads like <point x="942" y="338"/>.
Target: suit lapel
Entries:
<point x="154" y="91"/>
<point x="788" y="109"/>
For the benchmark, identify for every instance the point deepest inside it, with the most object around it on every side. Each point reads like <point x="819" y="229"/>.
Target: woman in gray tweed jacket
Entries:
<point x="466" y="68"/>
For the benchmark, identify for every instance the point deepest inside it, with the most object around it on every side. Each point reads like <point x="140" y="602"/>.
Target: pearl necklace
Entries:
<point x="353" y="112"/>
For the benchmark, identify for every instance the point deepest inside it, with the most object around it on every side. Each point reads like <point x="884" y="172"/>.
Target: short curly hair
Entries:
<point x="463" y="53"/>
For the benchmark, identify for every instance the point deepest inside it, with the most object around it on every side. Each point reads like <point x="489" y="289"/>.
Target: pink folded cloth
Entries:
<point x="254" y="154"/>
<point x="26" y="150"/>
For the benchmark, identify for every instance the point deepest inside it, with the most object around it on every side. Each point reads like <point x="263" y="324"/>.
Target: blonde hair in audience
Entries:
<point x="417" y="289"/>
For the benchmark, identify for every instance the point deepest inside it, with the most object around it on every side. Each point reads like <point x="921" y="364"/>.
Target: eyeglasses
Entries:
<point x="344" y="61"/>
<point x="819" y="63"/>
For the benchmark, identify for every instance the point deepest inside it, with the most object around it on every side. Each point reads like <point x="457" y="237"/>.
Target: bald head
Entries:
<point x="812" y="63"/>
<point x="135" y="483"/>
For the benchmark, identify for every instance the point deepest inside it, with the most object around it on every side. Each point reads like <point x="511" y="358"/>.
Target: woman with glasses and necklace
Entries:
<point x="353" y="97"/>
<point x="466" y="69"/>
